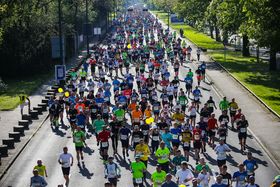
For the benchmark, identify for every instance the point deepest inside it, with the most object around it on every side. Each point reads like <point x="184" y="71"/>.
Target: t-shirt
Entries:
<point x="182" y="175"/>
<point x="218" y="185"/>
<point x="65" y="159"/>
<point x="158" y="178"/>
<point x="163" y="155"/>
<point x="240" y="178"/>
<point x="41" y="170"/>
<point x="204" y="178"/>
<point x="78" y="138"/>
<point x="250" y="164"/>
<point x="143" y="150"/>
<point x="221" y="151"/>
<point x="169" y="184"/>
<point x="137" y="169"/>
<point x="199" y="167"/>
<point x="226" y="178"/>
<point x="98" y="124"/>
<point x="166" y="138"/>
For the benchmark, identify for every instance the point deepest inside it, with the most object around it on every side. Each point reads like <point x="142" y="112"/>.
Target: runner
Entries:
<point x="221" y="150"/>
<point x="42" y="171"/>
<point x="66" y="161"/>
<point x="158" y="177"/>
<point x="138" y="169"/>
<point x="37" y="180"/>
<point x="112" y="171"/>
<point x="242" y="132"/>
<point x="184" y="175"/>
<point x="125" y="134"/>
<point x="79" y="141"/>
<point x="163" y="157"/>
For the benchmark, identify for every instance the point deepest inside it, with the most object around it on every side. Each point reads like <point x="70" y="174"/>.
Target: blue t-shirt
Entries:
<point x="99" y="101"/>
<point x="250" y="164"/>
<point x="107" y="95"/>
<point x="166" y="138"/>
<point x="125" y="131"/>
<point x="81" y="120"/>
<point x="116" y="84"/>
<point x="122" y="99"/>
<point x="241" y="176"/>
<point x="175" y="134"/>
<point x="196" y="92"/>
<point x="218" y="185"/>
<point x="188" y="80"/>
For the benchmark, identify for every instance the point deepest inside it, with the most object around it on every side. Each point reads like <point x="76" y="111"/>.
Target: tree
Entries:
<point x="262" y="24"/>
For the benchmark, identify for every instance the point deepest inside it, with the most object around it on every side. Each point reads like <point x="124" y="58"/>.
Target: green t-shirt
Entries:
<point x="178" y="159"/>
<point x="199" y="167"/>
<point x="190" y="74"/>
<point x="163" y="155"/>
<point x="137" y="169"/>
<point x="224" y="105"/>
<point x="78" y="138"/>
<point x="98" y="124"/>
<point x="183" y="99"/>
<point x="119" y="114"/>
<point x="158" y="178"/>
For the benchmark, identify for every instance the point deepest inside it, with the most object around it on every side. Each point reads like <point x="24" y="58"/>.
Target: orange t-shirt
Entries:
<point x="148" y="113"/>
<point x="132" y="106"/>
<point x="136" y="115"/>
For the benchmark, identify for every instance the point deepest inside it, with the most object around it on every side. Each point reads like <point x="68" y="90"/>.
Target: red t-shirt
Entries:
<point x="104" y="136"/>
<point x="127" y="93"/>
<point x="197" y="134"/>
<point x="212" y="123"/>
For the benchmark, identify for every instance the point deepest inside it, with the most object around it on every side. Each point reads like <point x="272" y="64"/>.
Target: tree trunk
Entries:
<point x="272" y="60"/>
<point x="225" y="37"/>
<point x="211" y="31"/>
<point x="217" y="34"/>
<point x="245" y="47"/>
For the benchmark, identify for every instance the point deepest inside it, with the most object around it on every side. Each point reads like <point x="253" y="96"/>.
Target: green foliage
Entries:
<point x="27" y="25"/>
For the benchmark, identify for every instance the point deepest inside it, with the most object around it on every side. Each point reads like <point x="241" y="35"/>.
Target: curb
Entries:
<point x="22" y="149"/>
<point x="252" y="93"/>
<point x="270" y="156"/>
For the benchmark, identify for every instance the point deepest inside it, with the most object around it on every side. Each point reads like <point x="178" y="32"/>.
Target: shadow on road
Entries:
<point x="84" y="171"/>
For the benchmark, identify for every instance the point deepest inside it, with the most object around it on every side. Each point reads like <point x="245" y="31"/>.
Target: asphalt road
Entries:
<point x="47" y="145"/>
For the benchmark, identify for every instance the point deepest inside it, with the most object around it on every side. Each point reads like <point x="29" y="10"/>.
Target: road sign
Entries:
<point x="97" y="31"/>
<point x="60" y="72"/>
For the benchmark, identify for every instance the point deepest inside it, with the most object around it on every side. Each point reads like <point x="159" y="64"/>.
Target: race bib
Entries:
<point x="77" y="139"/>
<point x="175" y="136"/>
<point x="197" y="137"/>
<point x="186" y="144"/>
<point x="155" y="138"/>
<point x="225" y="181"/>
<point x="136" y="139"/>
<point x="123" y="137"/>
<point x="222" y="155"/>
<point x="104" y="144"/>
<point x="243" y="130"/>
<point x="139" y="181"/>
<point x="145" y="132"/>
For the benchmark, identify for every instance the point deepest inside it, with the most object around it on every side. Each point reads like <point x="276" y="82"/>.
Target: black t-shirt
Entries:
<point x="162" y="125"/>
<point x="115" y="127"/>
<point x="145" y="129"/>
<point x="223" y="117"/>
<point x="226" y="178"/>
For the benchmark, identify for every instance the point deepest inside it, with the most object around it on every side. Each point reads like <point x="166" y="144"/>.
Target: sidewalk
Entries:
<point x="9" y="119"/>
<point x="263" y="125"/>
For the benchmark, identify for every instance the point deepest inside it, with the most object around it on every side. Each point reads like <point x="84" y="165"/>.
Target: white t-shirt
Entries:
<point x="183" y="175"/>
<point x="204" y="179"/>
<point x="221" y="151"/>
<point x="66" y="160"/>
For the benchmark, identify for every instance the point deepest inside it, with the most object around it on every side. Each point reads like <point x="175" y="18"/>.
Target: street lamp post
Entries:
<point x="61" y="52"/>
<point x="168" y="20"/>
<point x="87" y="29"/>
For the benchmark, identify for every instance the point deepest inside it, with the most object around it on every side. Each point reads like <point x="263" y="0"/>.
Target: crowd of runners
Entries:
<point x="128" y="94"/>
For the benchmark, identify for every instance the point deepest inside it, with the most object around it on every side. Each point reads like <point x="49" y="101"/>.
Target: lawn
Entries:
<point x="9" y="98"/>
<point x="192" y="34"/>
<point x="255" y="76"/>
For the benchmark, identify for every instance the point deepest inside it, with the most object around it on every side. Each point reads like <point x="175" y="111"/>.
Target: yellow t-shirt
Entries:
<point x="186" y="136"/>
<point x="178" y="116"/>
<point x="143" y="150"/>
<point x="41" y="170"/>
